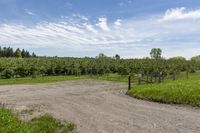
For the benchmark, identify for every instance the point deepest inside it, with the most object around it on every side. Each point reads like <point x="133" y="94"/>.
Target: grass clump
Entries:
<point x="10" y="123"/>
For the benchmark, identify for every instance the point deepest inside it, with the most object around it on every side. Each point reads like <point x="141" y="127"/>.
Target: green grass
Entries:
<point x="51" y="79"/>
<point x="10" y="123"/>
<point x="111" y="77"/>
<point x="181" y="91"/>
<point x="45" y="79"/>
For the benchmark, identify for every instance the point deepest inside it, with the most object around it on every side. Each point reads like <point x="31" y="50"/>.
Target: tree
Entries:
<point x="101" y="55"/>
<point x="18" y="53"/>
<point x="156" y="53"/>
<point x="23" y="53"/>
<point x="27" y="54"/>
<point x="34" y="55"/>
<point x="117" y="57"/>
<point x="8" y="52"/>
<point x="180" y="58"/>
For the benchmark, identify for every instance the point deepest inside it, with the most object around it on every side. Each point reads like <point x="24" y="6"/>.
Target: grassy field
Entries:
<point x="182" y="91"/>
<point x="51" y="79"/>
<point x="10" y="123"/>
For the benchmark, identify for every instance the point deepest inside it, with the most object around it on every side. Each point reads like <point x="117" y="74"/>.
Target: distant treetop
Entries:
<point x="156" y="53"/>
<point x="9" y="52"/>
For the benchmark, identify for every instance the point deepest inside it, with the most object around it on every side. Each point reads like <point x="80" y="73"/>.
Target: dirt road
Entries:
<point x="100" y="107"/>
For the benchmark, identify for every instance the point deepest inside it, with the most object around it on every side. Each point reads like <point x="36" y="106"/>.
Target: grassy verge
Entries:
<point x="182" y="91"/>
<point x="111" y="77"/>
<point x="108" y="77"/>
<point x="51" y="79"/>
<point x="46" y="79"/>
<point x="10" y="123"/>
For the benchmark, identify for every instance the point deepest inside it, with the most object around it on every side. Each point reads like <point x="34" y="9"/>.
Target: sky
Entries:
<point x="77" y="28"/>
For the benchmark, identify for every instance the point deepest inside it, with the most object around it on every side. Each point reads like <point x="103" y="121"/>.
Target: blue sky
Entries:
<point x="85" y="28"/>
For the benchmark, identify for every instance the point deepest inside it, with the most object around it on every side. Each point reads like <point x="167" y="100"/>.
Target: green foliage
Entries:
<point x="48" y="124"/>
<point x="117" y="57"/>
<point x="45" y="79"/>
<point x="10" y="123"/>
<point x="18" y="53"/>
<point x="180" y="58"/>
<point x="9" y="52"/>
<point x="156" y="53"/>
<point x="182" y="91"/>
<point x="102" y="65"/>
<point x="7" y="73"/>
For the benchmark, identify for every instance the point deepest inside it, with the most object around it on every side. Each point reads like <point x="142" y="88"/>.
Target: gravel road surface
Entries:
<point x="99" y="107"/>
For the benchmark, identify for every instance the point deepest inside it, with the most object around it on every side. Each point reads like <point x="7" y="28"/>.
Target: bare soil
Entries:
<point x="99" y="107"/>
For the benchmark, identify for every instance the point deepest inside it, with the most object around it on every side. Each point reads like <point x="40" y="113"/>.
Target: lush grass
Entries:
<point x="111" y="77"/>
<point x="51" y="79"/>
<point x="10" y="123"/>
<point x="46" y="79"/>
<point x="182" y="91"/>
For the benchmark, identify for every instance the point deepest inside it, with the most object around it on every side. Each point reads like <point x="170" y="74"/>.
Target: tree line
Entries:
<point x="101" y="65"/>
<point x="10" y="52"/>
<point x="50" y="66"/>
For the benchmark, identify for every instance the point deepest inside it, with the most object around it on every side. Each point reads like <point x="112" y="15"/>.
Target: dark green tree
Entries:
<point x="156" y="53"/>
<point x="117" y="57"/>
<point x="18" y="53"/>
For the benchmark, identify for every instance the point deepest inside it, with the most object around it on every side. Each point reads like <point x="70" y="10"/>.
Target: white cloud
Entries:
<point x="130" y="1"/>
<point x="132" y="38"/>
<point x="181" y="13"/>
<point x="118" y="22"/>
<point x="125" y="3"/>
<point x="103" y="24"/>
<point x="28" y="12"/>
<point x="90" y="28"/>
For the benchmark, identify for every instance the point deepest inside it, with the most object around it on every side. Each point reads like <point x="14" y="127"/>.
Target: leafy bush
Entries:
<point x="7" y="73"/>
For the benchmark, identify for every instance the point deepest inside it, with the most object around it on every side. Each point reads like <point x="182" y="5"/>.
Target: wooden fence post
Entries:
<point x="174" y="75"/>
<point x="147" y="77"/>
<point x="139" y="79"/>
<point x="163" y="77"/>
<point x="159" y="80"/>
<point x="129" y="81"/>
<point x="151" y="77"/>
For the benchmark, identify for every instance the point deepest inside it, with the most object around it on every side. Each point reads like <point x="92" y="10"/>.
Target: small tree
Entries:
<point x="156" y="53"/>
<point x="18" y="53"/>
<point x="34" y="55"/>
<point x="101" y="55"/>
<point x="23" y="53"/>
<point x="117" y="57"/>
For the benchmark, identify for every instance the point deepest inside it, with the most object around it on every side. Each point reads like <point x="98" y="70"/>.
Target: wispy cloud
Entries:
<point x="28" y="12"/>
<point x="130" y="38"/>
<point x="181" y="13"/>
<point x="103" y="24"/>
<point x="118" y="22"/>
<point x="125" y="3"/>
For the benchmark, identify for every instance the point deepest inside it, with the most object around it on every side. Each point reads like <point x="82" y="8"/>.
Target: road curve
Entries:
<point x="100" y="107"/>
